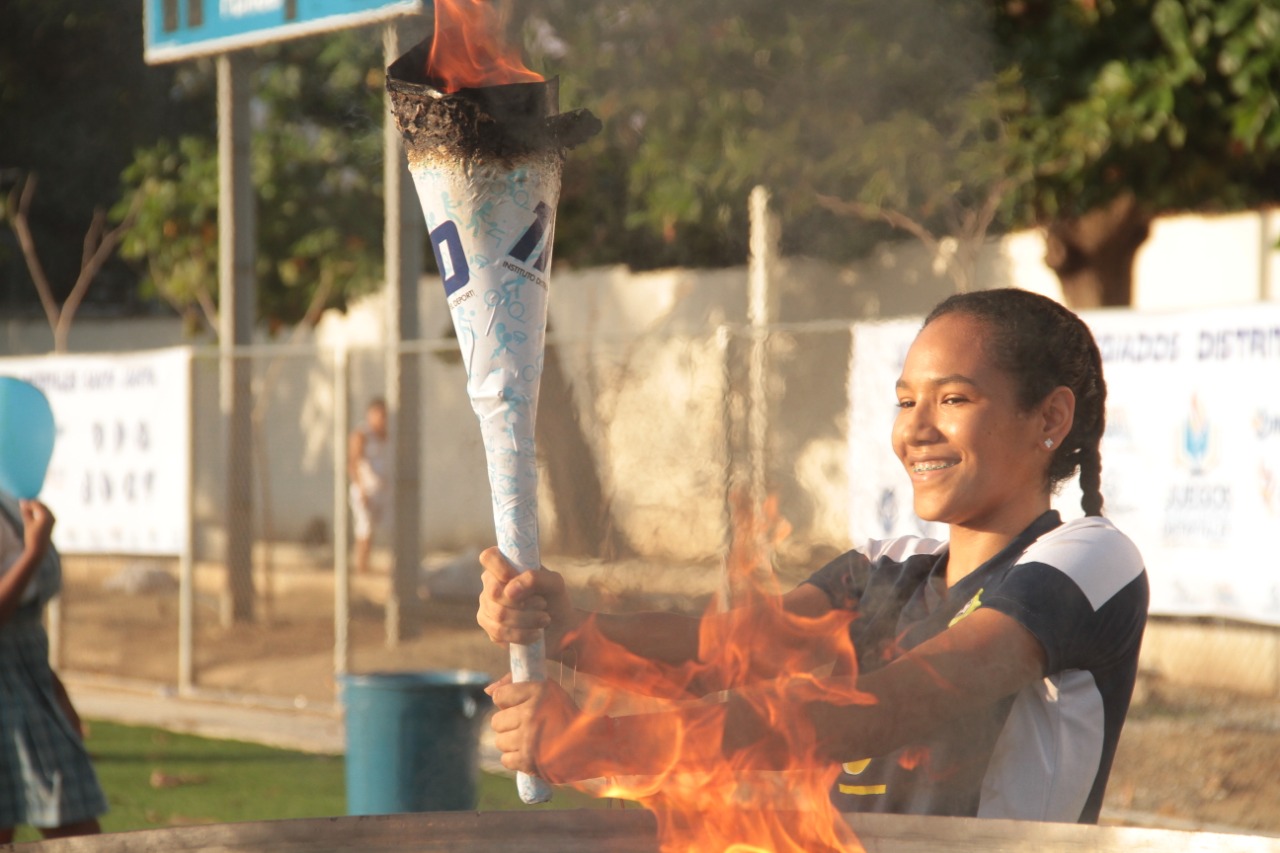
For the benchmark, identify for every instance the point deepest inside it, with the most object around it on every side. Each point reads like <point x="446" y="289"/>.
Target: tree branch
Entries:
<point x="97" y="249"/>
<point x="873" y="213"/>
<point x="205" y="300"/>
<point x="318" y="300"/>
<point x="19" y="206"/>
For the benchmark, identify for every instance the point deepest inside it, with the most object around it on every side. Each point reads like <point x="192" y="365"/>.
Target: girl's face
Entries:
<point x="975" y="459"/>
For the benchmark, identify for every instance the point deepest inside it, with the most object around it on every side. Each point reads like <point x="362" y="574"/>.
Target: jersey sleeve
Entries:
<point x="1082" y="592"/>
<point x="844" y="579"/>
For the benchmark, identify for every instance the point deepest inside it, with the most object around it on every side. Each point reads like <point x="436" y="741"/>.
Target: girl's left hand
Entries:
<point x="540" y="731"/>
<point x="37" y="527"/>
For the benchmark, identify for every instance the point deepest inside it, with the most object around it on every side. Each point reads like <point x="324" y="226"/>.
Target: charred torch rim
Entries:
<point x="505" y="120"/>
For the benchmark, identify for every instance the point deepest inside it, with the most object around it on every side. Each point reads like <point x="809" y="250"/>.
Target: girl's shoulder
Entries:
<point x="1091" y="551"/>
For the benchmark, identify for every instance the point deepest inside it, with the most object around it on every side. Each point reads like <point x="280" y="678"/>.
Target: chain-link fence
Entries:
<point x="640" y="441"/>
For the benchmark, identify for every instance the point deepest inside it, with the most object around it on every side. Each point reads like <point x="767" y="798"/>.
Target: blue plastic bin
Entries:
<point x="412" y="740"/>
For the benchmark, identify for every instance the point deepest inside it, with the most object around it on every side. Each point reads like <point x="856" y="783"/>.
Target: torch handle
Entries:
<point x="529" y="663"/>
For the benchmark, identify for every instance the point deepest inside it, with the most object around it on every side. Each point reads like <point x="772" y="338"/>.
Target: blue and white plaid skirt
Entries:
<point x="46" y="777"/>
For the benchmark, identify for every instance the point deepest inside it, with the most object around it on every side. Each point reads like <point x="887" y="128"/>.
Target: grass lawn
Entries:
<point x="155" y="778"/>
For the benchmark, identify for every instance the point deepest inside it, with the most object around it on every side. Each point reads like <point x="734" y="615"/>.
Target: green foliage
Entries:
<point x="896" y="105"/>
<point x="924" y="107"/>
<point x="176" y="232"/>
<point x="1173" y="101"/>
<point x="318" y="172"/>
<point x="931" y="108"/>
<point x="316" y="159"/>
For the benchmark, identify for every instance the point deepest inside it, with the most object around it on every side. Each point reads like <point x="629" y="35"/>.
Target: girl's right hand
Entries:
<point x="515" y="606"/>
<point x="37" y="527"/>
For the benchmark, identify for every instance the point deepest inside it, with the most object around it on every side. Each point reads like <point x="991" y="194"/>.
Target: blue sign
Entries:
<point x="181" y="29"/>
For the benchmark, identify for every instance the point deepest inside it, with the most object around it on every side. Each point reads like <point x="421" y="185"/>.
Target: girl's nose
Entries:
<point x="916" y="424"/>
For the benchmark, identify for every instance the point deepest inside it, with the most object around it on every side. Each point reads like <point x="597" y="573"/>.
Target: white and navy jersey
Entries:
<point x="1045" y="752"/>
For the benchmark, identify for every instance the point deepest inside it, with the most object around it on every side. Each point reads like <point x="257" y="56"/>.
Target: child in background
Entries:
<point x="46" y="777"/>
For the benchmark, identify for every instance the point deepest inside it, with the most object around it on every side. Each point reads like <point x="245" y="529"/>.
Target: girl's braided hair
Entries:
<point x="1043" y="345"/>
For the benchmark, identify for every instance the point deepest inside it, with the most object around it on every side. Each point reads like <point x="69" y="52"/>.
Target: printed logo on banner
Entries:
<point x="1269" y="487"/>
<point x="1119" y="447"/>
<point x="1266" y="426"/>
<point x="1197" y="434"/>
<point x="887" y="510"/>
<point x="1198" y="508"/>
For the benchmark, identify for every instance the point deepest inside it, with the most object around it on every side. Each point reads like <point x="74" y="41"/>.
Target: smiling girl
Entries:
<point x="1005" y="656"/>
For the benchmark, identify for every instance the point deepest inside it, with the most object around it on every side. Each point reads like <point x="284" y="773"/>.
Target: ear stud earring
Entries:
<point x="1048" y="444"/>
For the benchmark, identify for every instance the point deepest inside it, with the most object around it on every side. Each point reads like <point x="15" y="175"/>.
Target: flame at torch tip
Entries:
<point x="468" y="50"/>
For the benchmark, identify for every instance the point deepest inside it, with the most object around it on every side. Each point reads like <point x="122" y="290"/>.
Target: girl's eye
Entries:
<point x="905" y="404"/>
<point x="952" y="399"/>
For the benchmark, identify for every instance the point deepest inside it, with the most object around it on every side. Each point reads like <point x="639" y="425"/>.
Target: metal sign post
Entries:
<point x="184" y="29"/>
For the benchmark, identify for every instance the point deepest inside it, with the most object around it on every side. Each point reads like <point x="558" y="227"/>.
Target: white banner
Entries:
<point x="1191" y="456"/>
<point x="117" y="482"/>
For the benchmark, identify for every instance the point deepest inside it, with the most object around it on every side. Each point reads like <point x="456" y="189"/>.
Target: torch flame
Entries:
<point x="469" y="50"/>
<point x="729" y="803"/>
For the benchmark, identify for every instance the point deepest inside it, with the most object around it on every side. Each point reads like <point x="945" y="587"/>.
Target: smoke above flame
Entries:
<point x="469" y="50"/>
<point x="769" y="656"/>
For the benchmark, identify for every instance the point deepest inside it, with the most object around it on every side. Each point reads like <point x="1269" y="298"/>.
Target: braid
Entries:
<point x="1043" y="345"/>
<point x="1091" y="480"/>
<point x="1090" y="424"/>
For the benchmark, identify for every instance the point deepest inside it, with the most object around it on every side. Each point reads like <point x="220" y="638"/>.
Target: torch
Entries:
<point x="486" y="158"/>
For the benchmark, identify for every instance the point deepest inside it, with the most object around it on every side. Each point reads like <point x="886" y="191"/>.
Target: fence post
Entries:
<point x="341" y="553"/>
<point x="724" y="341"/>
<point x="186" y="559"/>
<point x="404" y="262"/>
<point x="759" y="315"/>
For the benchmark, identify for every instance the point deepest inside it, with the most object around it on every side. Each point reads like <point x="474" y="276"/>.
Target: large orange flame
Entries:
<point x="729" y="804"/>
<point x="469" y="50"/>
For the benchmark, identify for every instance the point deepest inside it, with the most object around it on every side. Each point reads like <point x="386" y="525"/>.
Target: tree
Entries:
<point x="317" y="142"/>
<point x="76" y="99"/>
<point x="1144" y="107"/>
<point x="99" y="244"/>
<point x="844" y="100"/>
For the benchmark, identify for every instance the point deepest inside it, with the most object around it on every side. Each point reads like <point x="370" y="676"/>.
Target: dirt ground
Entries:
<point x="1189" y="758"/>
<point x="1199" y="758"/>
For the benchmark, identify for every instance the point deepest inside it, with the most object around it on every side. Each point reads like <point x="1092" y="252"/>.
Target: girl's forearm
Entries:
<point x="640" y="744"/>
<point x="676" y="656"/>
<point x="648" y="653"/>
<point x="13" y="583"/>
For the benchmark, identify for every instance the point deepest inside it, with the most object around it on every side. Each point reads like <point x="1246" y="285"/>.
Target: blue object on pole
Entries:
<point x="412" y="740"/>
<point x="27" y="432"/>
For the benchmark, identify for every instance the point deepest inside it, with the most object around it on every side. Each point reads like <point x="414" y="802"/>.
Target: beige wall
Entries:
<point x="650" y="379"/>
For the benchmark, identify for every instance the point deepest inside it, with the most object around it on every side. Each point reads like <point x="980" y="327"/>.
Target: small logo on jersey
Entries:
<point x="856" y="768"/>
<point x="974" y="604"/>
